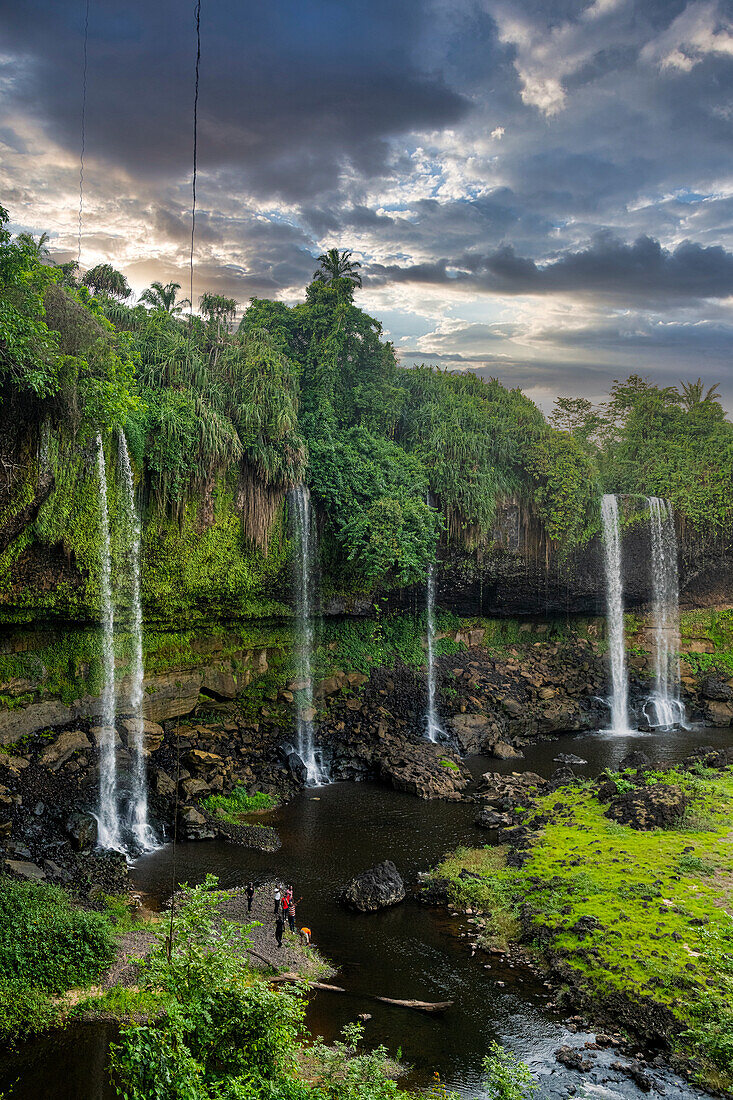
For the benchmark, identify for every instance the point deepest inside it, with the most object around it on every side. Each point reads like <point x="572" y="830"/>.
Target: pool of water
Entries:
<point x="332" y="833"/>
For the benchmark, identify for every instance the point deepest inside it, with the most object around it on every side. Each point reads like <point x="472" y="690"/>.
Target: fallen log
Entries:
<point x="419" y="1006"/>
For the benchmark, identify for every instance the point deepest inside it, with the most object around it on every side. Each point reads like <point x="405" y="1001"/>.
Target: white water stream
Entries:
<point x="665" y="709"/>
<point x="619" y="701"/>
<point x="433" y="729"/>
<point x="305" y="573"/>
<point x="108" y="824"/>
<point x="138" y="808"/>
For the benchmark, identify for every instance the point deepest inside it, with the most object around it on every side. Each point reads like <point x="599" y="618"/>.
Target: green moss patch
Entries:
<point x="236" y="805"/>
<point x="644" y="914"/>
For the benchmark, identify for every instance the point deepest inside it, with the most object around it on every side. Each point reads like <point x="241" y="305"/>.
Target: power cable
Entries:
<point x="197" y="16"/>
<point x="83" y="132"/>
<point x="174" y="884"/>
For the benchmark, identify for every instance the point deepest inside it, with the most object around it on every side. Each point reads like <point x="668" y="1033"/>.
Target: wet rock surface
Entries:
<point x="377" y="888"/>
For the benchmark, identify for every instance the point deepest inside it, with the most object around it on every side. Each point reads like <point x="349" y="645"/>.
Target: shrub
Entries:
<point x="24" y="1011"/>
<point x="47" y="943"/>
<point x="507" y="1078"/>
<point x="231" y="807"/>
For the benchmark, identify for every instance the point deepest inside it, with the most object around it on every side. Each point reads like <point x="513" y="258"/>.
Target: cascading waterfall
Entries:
<point x="108" y="825"/>
<point x="304" y="575"/>
<point x="433" y="728"/>
<point x="138" y="808"/>
<point x="615" y="614"/>
<point x="665" y="708"/>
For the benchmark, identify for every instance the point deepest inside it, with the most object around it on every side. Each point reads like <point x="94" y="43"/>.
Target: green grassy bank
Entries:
<point x="624" y="917"/>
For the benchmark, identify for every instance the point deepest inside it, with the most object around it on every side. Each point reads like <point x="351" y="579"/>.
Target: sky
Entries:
<point x="538" y="190"/>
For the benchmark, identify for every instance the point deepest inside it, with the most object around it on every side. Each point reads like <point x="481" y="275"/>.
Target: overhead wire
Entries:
<point x="83" y="132"/>
<point x="197" y="17"/>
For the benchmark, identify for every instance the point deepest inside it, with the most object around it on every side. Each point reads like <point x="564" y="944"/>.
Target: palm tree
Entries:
<point x="164" y="297"/>
<point x="217" y="308"/>
<point x="693" y="394"/>
<point x="104" y="279"/>
<point x="337" y="265"/>
<point x="38" y="247"/>
<point x="69" y="272"/>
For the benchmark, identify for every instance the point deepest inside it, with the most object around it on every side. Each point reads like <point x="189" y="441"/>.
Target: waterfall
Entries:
<point x="615" y="614"/>
<point x="108" y="820"/>
<point x="667" y="709"/>
<point x="433" y="728"/>
<point x="138" y="811"/>
<point x="304" y="576"/>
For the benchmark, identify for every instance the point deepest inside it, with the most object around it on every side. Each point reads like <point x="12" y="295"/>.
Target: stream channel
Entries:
<point x="328" y="835"/>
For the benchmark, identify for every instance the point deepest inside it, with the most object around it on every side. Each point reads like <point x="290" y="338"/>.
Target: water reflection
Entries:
<point x="332" y="833"/>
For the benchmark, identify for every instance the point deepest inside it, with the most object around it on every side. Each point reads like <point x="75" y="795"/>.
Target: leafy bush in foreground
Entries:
<point x="46" y="946"/>
<point x="46" y="942"/>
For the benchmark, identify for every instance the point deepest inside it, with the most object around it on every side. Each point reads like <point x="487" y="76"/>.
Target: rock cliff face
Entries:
<point x="521" y="575"/>
<point x="225" y="710"/>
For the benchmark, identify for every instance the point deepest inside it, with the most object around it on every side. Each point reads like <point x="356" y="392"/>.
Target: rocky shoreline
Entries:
<point x="493" y="702"/>
<point x="627" y="1021"/>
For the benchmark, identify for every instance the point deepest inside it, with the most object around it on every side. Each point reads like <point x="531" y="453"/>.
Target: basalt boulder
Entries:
<point x="82" y="828"/>
<point x="488" y="818"/>
<point x="377" y="888"/>
<point x="657" y="807"/>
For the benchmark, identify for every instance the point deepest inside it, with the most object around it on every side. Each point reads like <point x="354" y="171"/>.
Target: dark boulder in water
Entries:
<point x="638" y="760"/>
<point x="377" y="888"/>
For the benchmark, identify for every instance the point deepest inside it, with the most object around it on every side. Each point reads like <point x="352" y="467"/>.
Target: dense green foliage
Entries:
<point x="225" y="1033"/>
<point x="47" y="945"/>
<point x="234" y="806"/>
<point x="221" y="423"/>
<point x="668" y="442"/>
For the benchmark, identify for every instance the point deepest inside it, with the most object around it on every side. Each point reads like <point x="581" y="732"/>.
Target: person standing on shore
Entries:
<point x="279" y="925"/>
<point x="250" y="892"/>
<point x="278" y="896"/>
<point x="291" y="913"/>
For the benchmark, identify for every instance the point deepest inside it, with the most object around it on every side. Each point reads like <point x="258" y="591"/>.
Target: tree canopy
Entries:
<point x="397" y="459"/>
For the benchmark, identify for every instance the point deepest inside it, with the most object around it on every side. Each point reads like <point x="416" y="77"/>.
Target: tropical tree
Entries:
<point x="217" y="309"/>
<point x="337" y="265"/>
<point x="69" y="274"/>
<point x="104" y="279"/>
<point x="694" y="393"/>
<point x="164" y="297"/>
<point x="37" y="247"/>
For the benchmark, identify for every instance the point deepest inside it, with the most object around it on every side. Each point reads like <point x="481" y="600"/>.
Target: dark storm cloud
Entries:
<point x="608" y="268"/>
<point x="291" y="94"/>
<point x="545" y="157"/>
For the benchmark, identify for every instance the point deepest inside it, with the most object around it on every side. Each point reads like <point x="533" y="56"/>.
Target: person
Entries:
<point x="250" y="892"/>
<point x="278" y="897"/>
<point x="279" y="925"/>
<point x="291" y="912"/>
<point x="305" y="936"/>
<point x="287" y="898"/>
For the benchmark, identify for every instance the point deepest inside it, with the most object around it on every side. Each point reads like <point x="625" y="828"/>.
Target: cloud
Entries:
<point x="291" y="96"/>
<point x="540" y="187"/>
<point x="607" y="268"/>
<point x="701" y="30"/>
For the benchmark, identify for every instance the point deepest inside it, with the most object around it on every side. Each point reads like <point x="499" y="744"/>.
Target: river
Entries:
<point x="330" y="834"/>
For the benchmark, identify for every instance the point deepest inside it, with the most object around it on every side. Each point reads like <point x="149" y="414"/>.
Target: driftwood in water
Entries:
<point x="419" y="1006"/>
